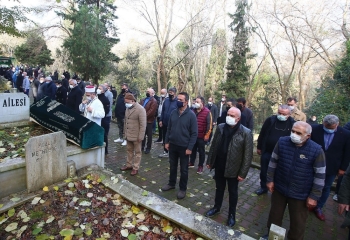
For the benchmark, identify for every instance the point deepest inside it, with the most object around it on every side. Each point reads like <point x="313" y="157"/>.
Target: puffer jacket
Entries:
<point x="135" y="123"/>
<point x="239" y="155"/>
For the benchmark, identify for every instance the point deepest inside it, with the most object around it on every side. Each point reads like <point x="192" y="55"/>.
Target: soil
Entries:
<point x="85" y="209"/>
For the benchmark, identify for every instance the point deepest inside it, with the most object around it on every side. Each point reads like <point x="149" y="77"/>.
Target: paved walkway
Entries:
<point x="252" y="210"/>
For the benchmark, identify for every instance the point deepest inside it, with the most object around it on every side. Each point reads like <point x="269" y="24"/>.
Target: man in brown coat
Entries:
<point x="134" y="133"/>
<point x="150" y="104"/>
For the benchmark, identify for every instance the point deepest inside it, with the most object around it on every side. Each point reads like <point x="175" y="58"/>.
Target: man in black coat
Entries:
<point x="335" y="142"/>
<point x="61" y="93"/>
<point x="105" y="123"/>
<point x="75" y="96"/>
<point x="274" y="127"/>
<point x="120" y="112"/>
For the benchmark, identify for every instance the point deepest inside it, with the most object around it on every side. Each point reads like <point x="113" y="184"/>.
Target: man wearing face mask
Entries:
<point x="230" y="154"/>
<point x="335" y="142"/>
<point x="214" y="113"/>
<point x="179" y="141"/>
<point x="295" y="178"/>
<point x="295" y="112"/>
<point x="150" y="105"/>
<point x="169" y="105"/>
<point x="229" y="104"/>
<point x="50" y="88"/>
<point x="92" y="106"/>
<point x="61" y="93"/>
<point x="120" y="113"/>
<point x="221" y="108"/>
<point x="74" y="96"/>
<point x="134" y="133"/>
<point x="105" y="122"/>
<point x="26" y="83"/>
<point x="274" y="127"/>
<point x="160" y="108"/>
<point x="204" y="122"/>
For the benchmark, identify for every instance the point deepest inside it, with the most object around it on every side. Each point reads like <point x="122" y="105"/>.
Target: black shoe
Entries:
<point x="212" y="212"/>
<point x="147" y="151"/>
<point x="231" y="221"/>
<point x="260" y="191"/>
<point x="158" y="141"/>
<point x="265" y="237"/>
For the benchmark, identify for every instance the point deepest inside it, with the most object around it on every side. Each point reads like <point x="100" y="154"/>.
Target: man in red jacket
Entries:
<point x="150" y="104"/>
<point x="204" y="121"/>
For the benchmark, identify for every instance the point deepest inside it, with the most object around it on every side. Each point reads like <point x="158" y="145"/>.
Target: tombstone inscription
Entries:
<point x="46" y="160"/>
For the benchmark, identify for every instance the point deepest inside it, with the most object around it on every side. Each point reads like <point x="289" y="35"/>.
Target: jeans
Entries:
<point x="120" y="123"/>
<point x="264" y="162"/>
<point x="105" y="123"/>
<point x="148" y="135"/>
<point x="200" y="145"/>
<point x="326" y="190"/>
<point x="298" y="213"/>
<point x="176" y="153"/>
<point x="232" y="183"/>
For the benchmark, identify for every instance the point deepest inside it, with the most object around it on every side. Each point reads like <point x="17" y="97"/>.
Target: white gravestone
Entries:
<point x="14" y="107"/>
<point x="46" y="160"/>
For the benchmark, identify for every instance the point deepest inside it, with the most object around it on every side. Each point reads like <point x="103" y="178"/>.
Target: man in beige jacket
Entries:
<point x="295" y="112"/>
<point x="134" y="132"/>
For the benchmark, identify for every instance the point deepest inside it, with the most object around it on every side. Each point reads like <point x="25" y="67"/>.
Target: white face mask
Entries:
<point x="223" y="99"/>
<point x="196" y="105"/>
<point x="128" y="105"/>
<point x="295" y="138"/>
<point x="98" y="91"/>
<point x="210" y="103"/>
<point x="71" y="86"/>
<point x="41" y="81"/>
<point x="163" y="95"/>
<point x="88" y="98"/>
<point x="291" y="108"/>
<point x="230" y="121"/>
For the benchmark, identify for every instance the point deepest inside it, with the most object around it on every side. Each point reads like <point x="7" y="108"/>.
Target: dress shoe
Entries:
<point x="147" y="151"/>
<point x="319" y="214"/>
<point x="260" y="191"/>
<point x="167" y="188"/>
<point x="134" y="172"/>
<point x="231" y="221"/>
<point x="181" y="194"/>
<point x="124" y="168"/>
<point x="212" y="212"/>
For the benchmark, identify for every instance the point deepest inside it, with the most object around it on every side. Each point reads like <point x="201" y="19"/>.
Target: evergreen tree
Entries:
<point x="237" y="67"/>
<point x="34" y="51"/>
<point x="88" y="46"/>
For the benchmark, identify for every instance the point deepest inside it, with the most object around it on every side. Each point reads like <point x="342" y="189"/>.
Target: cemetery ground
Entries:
<point x="252" y="210"/>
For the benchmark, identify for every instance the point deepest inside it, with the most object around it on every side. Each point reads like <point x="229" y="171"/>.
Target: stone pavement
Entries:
<point x="252" y="210"/>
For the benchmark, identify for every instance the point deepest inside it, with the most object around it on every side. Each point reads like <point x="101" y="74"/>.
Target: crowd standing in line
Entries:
<point x="294" y="151"/>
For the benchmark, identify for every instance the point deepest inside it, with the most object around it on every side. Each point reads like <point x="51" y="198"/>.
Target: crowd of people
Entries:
<point x="300" y="159"/>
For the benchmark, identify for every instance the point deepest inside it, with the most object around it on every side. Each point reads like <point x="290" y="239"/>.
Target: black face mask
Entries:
<point x="123" y="90"/>
<point x="239" y="106"/>
<point x="228" y="108"/>
<point x="171" y="96"/>
<point x="148" y="95"/>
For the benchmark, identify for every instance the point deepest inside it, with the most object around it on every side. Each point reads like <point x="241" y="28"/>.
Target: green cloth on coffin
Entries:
<point x="57" y="117"/>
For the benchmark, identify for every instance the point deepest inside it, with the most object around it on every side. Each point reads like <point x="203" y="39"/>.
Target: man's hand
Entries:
<point x="258" y="151"/>
<point x="240" y="179"/>
<point x="342" y="208"/>
<point x="311" y="203"/>
<point x="89" y="109"/>
<point x="341" y="172"/>
<point x="166" y="146"/>
<point x="208" y="166"/>
<point x="270" y="186"/>
<point x="214" y="123"/>
<point x="206" y="139"/>
<point x="84" y="102"/>
<point x="160" y="124"/>
<point x="188" y="152"/>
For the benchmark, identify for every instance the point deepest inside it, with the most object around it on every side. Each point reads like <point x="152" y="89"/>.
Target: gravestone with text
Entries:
<point x="46" y="160"/>
<point x="14" y="107"/>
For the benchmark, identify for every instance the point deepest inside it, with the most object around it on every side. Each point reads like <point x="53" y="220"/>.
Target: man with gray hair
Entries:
<point x="50" y="88"/>
<point x="75" y="96"/>
<point x="274" y="127"/>
<point x="335" y="142"/>
<point x="295" y="177"/>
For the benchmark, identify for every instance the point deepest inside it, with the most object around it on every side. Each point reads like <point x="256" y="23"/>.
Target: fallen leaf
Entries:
<point x="88" y="231"/>
<point x="135" y="209"/>
<point x="15" y="199"/>
<point x="2" y="150"/>
<point x="149" y="202"/>
<point x="68" y="192"/>
<point x="35" y="200"/>
<point x="85" y="203"/>
<point x="199" y="203"/>
<point x="115" y="180"/>
<point x="156" y="230"/>
<point x="75" y="199"/>
<point x="11" y="212"/>
<point x="231" y="232"/>
<point x="45" y="189"/>
<point x="42" y="201"/>
<point x="11" y="227"/>
<point x="156" y="217"/>
<point x="205" y="194"/>
<point x="70" y="185"/>
<point x="167" y="229"/>
<point x="50" y="219"/>
<point x="36" y="231"/>
<point x="124" y="232"/>
<point x="66" y="232"/>
<point x="141" y="216"/>
<point x="154" y="182"/>
<point x="3" y="219"/>
<point x="1" y="205"/>
<point x="22" y="214"/>
<point x="90" y="195"/>
<point x="144" y="193"/>
<point x="254" y="195"/>
<point x="132" y="237"/>
<point x="21" y="230"/>
<point x="199" y="218"/>
<point x="26" y="219"/>
<point x="143" y="228"/>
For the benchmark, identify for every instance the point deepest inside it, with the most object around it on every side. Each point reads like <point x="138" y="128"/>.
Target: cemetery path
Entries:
<point x="252" y="210"/>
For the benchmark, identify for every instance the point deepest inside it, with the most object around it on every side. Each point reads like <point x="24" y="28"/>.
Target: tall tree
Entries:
<point x="10" y="17"/>
<point x="237" y="67"/>
<point x="34" y="51"/>
<point x="88" y="46"/>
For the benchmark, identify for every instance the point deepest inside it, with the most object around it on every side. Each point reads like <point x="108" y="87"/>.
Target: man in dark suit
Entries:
<point x="335" y="142"/>
<point x="75" y="96"/>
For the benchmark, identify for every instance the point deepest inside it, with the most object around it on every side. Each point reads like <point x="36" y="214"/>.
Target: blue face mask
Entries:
<point x="281" y="117"/>
<point x="179" y="104"/>
<point x="328" y="130"/>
